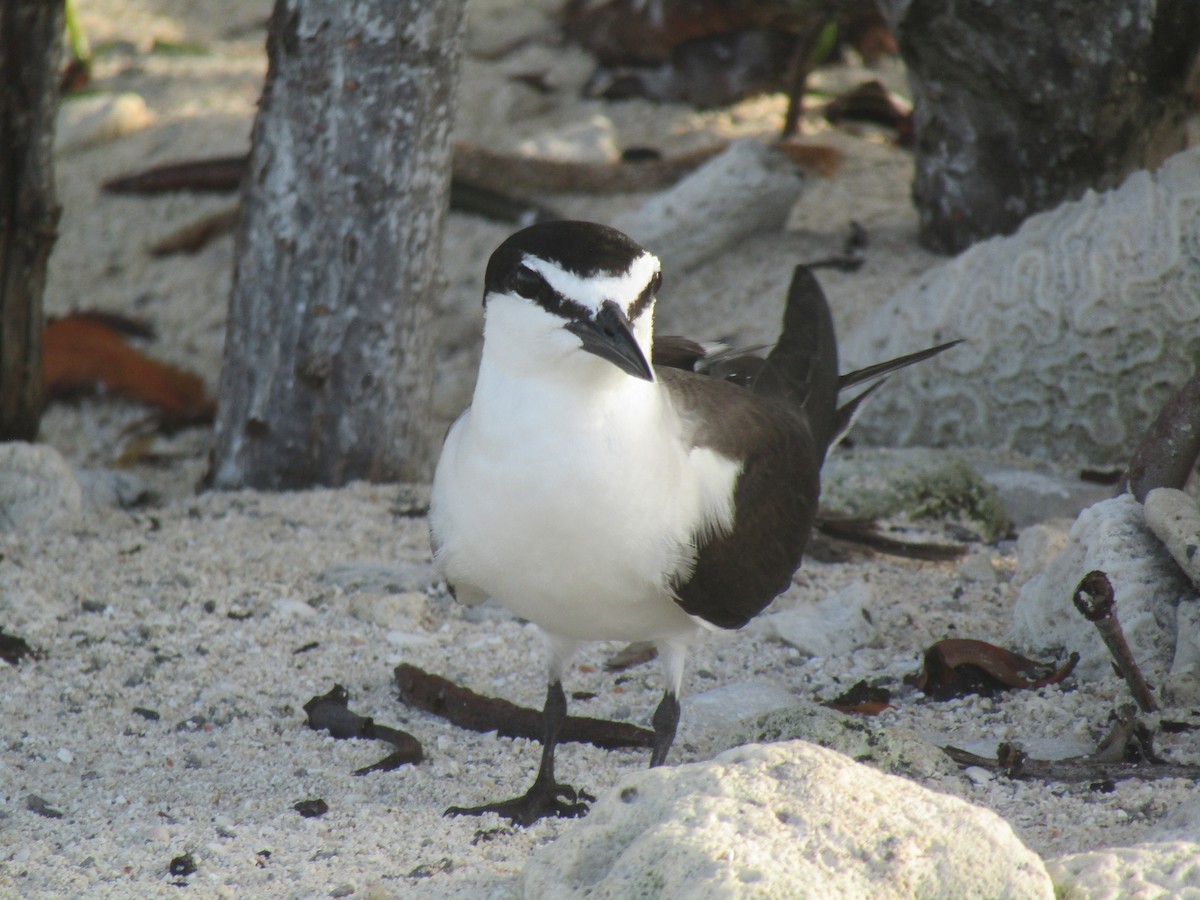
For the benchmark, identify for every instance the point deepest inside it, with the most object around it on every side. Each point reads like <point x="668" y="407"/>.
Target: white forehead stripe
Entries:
<point x="594" y="290"/>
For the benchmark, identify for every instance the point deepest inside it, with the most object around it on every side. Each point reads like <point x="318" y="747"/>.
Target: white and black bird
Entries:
<point x="605" y="498"/>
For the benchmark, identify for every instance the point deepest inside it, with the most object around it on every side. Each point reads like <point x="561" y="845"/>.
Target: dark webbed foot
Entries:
<point x="541" y="800"/>
<point x="547" y="797"/>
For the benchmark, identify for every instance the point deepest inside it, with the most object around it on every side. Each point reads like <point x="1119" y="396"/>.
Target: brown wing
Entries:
<point x="738" y="573"/>
<point x="777" y="417"/>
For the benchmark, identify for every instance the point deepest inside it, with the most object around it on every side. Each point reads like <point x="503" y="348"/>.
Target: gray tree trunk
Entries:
<point x="30" y="54"/>
<point x="1019" y="106"/>
<point x="328" y="367"/>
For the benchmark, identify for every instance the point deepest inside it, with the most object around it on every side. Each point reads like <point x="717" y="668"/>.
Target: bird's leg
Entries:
<point x="666" y="719"/>
<point x="546" y="797"/>
<point x="671" y="656"/>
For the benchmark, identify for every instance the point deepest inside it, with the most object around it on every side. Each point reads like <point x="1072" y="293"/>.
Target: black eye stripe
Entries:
<point x="529" y="284"/>
<point x="645" y="298"/>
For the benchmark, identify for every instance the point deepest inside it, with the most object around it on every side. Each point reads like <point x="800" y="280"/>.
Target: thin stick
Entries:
<point x="466" y="709"/>
<point x="1080" y="768"/>
<point x="1094" y="599"/>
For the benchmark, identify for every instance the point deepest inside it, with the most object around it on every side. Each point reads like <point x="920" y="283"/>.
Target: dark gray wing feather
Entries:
<point x="778" y="425"/>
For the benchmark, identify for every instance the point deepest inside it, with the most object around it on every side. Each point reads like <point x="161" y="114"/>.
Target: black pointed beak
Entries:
<point x="610" y="337"/>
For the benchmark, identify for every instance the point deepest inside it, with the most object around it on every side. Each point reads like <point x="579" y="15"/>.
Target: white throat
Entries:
<point x="569" y="490"/>
<point x="522" y="340"/>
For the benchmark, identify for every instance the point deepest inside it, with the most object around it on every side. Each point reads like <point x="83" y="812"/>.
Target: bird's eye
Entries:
<point x="527" y="282"/>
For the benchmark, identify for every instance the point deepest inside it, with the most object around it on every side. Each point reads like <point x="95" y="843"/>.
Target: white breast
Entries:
<point x="574" y="508"/>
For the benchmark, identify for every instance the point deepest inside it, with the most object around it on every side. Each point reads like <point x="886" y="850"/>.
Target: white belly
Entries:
<point x="577" y="519"/>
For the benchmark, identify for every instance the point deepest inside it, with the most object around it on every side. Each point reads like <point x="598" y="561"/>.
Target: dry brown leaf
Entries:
<point x="958" y="666"/>
<point x="81" y="354"/>
<point x="863" y="699"/>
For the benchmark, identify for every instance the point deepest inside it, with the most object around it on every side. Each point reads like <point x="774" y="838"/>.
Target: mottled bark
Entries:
<point x="30" y="53"/>
<point x="1019" y="106"/>
<point x="328" y="366"/>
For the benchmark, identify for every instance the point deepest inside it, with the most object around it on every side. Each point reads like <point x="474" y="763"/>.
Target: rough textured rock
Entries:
<point x="1182" y="685"/>
<point x="1094" y="92"/>
<point x="1037" y="547"/>
<point x="748" y="189"/>
<point x="878" y="483"/>
<point x="783" y="820"/>
<point x="1032" y="497"/>
<point x="112" y="488"/>
<point x="1110" y="536"/>
<point x="1080" y="326"/>
<point x="38" y="488"/>
<point x="835" y="626"/>
<point x="707" y="720"/>
<point x="1174" y="518"/>
<point x="898" y="751"/>
<point x="1169" y="869"/>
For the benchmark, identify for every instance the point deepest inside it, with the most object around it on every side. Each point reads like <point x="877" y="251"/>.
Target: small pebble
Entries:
<point x="978" y="774"/>
<point x="408" y="639"/>
<point x="292" y="606"/>
<point x="979" y="567"/>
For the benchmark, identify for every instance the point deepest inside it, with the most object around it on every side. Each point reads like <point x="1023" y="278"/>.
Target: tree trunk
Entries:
<point x="30" y="53"/>
<point x="1020" y="106"/>
<point x="328" y="367"/>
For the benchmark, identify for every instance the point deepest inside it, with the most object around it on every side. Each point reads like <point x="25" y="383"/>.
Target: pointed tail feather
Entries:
<point x="803" y="366"/>
<point x="850" y="379"/>
<point x="848" y="411"/>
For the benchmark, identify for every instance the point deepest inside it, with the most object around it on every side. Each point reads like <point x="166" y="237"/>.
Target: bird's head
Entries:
<point x="565" y="293"/>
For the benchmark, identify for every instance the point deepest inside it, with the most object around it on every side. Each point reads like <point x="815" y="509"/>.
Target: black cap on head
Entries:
<point x="584" y="248"/>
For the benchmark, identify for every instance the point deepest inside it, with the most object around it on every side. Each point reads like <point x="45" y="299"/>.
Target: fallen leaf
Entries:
<point x="220" y="175"/>
<point x="84" y="353"/>
<point x="311" y="809"/>
<point x="631" y="655"/>
<point x="13" y="649"/>
<point x="118" y="322"/>
<point x="958" y="666"/>
<point x="862" y="698"/>
<point x="331" y="712"/>
<point x="870" y="102"/>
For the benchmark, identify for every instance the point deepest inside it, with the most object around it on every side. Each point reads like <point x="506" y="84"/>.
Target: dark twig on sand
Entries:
<point x="1094" y="599"/>
<point x="1126" y="751"/>
<point x="331" y="712"/>
<point x="865" y="532"/>
<point x="1015" y="764"/>
<point x="13" y="649"/>
<point x="466" y="709"/>
<point x="1129" y="740"/>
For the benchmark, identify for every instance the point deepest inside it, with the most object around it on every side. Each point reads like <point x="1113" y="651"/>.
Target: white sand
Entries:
<point x="133" y="608"/>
